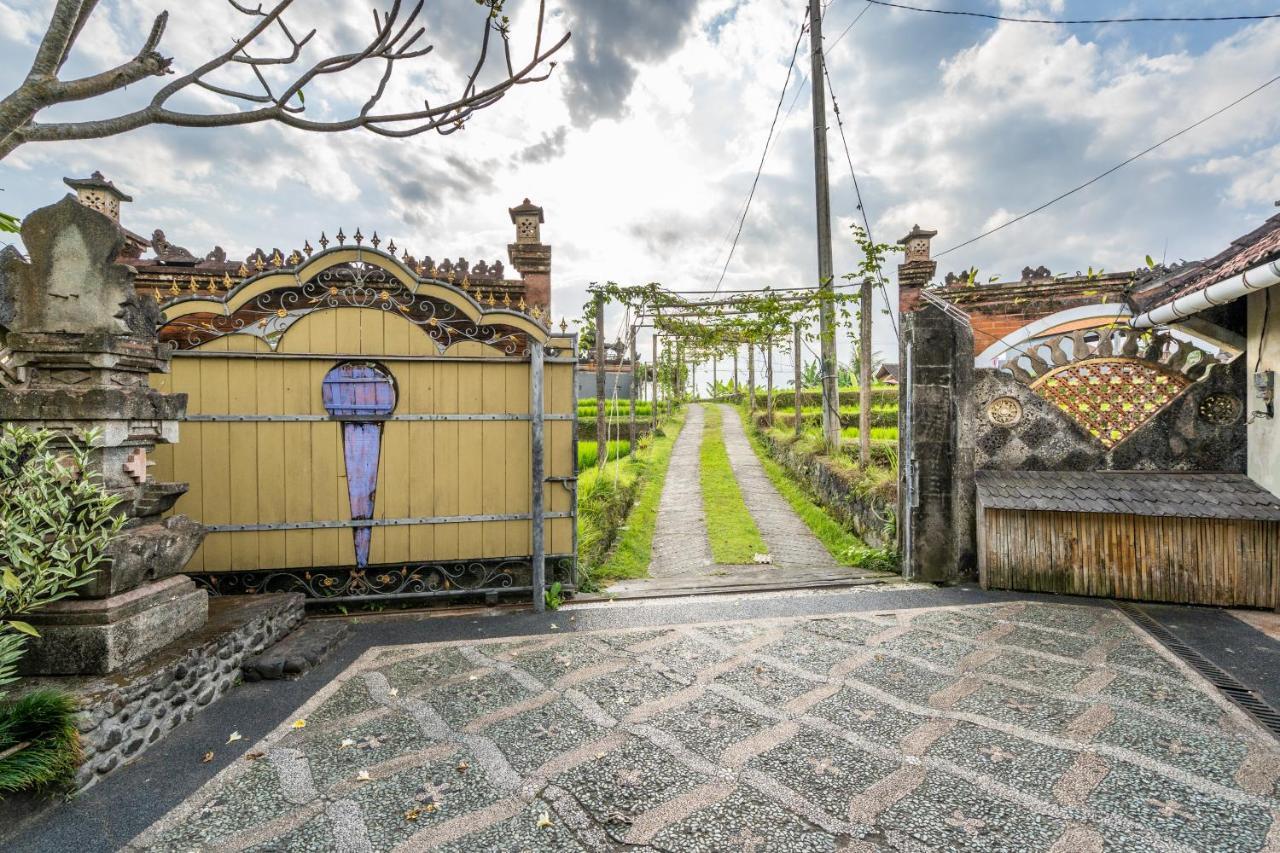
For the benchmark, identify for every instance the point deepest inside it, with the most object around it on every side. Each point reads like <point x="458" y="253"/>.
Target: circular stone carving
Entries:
<point x="1004" y="411"/>
<point x="1221" y="409"/>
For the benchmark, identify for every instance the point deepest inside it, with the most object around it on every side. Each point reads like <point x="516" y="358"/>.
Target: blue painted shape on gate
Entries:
<point x="355" y="392"/>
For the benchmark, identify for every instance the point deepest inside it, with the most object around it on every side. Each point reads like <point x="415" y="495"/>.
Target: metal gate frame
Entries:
<point x="365" y="278"/>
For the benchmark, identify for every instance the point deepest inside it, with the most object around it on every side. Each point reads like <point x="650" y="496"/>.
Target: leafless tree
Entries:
<point x="397" y="38"/>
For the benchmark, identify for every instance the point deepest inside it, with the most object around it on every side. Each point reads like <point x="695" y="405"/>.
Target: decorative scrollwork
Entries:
<point x="423" y="580"/>
<point x="352" y="285"/>
<point x="1221" y="409"/>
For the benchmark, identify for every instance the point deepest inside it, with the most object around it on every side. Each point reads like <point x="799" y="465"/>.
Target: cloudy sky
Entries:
<point x="643" y="144"/>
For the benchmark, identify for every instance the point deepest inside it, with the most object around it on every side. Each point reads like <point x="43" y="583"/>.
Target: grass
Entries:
<point x="589" y="453"/>
<point x="877" y="433"/>
<point x="843" y="545"/>
<point x="633" y="543"/>
<point x="39" y="743"/>
<point x="735" y="539"/>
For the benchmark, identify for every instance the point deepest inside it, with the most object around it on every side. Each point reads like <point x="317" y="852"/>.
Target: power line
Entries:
<point x="1141" y="20"/>
<point x="768" y="140"/>
<point x="862" y="208"/>
<point x="1112" y="170"/>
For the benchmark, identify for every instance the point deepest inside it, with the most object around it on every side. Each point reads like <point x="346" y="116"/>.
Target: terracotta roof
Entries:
<point x="1158" y="493"/>
<point x="1257" y="247"/>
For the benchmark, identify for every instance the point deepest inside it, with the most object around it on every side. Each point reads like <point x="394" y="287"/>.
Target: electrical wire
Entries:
<point x="866" y="222"/>
<point x="795" y="51"/>
<point x="1140" y="20"/>
<point x="1113" y="169"/>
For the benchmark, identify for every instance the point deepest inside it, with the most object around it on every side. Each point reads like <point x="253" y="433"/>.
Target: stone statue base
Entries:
<point x="98" y="636"/>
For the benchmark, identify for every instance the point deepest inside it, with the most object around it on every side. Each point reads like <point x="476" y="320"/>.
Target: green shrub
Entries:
<point x="39" y="743"/>
<point x="56" y="521"/>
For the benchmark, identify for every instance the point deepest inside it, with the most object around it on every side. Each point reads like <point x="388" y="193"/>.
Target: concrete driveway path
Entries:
<point x="1017" y="726"/>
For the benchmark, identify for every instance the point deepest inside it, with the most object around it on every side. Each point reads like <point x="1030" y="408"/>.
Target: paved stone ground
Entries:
<point x="680" y="544"/>
<point x="790" y="541"/>
<point x="1008" y="727"/>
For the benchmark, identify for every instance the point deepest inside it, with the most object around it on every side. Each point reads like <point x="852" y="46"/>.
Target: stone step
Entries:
<point x="299" y="652"/>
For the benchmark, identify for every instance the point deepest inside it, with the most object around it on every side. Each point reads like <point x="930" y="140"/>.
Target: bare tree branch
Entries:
<point x="396" y="39"/>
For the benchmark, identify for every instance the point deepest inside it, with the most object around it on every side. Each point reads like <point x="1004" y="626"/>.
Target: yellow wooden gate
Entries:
<point x="426" y="491"/>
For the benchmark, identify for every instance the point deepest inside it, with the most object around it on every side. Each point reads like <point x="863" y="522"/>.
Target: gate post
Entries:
<point x="536" y="514"/>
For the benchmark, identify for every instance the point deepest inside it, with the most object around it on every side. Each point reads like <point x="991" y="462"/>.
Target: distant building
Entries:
<point x="886" y="374"/>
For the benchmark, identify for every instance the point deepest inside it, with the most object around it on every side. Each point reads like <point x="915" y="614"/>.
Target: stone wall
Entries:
<point x="866" y="515"/>
<point x="1179" y="438"/>
<point x="125" y="713"/>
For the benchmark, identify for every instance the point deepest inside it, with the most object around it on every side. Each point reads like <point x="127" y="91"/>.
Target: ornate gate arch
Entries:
<point x="330" y="481"/>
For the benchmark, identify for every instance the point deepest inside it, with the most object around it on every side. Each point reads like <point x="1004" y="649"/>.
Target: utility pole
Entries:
<point x="602" y="428"/>
<point x="635" y="380"/>
<point x="864" y="374"/>
<point x="795" y="350"/>
<point x="655" y="380"/>
<point x="826" y="270"/>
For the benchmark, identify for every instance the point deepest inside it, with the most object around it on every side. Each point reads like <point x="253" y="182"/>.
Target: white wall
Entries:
<point x="1264" y="433"/>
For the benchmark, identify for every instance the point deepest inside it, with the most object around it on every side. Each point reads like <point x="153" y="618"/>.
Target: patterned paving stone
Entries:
<point x="256" y="797"/>
<point x="902" y="679"/>
<point x="1035" y="671"/>
<point x="856" y="712"/>
<point x="1023" y="708"/>
<point x="1073" y="647"/>
<point x="460" y="703"/>
<point x="738" y="825"/>
<point x="550" y="664"/>
<point x="349" y="699"/>
<point x="809" y="651"/>
<point x="847" y="629"/>
<point x="962" y="730"/>
<point x="960" y="623"/>
<point x="1018" y="763"/>
<point x="337" y="755"/>
<point x="766" y="683"/>
<point x="826" y="770"/>
<point x="710" y="724"/>
<point x="395" y="808"/>
<point x="951" y="814"/>
<point x="520" y="834"/>
<point x="619" y="786"/>
<point x="1145" y="659"/>
<point x="533" y="738"/>
<point x="1211" y="756"/>
<point x="932" y="649"/>
<point x="415" y="674"/>
<point x="1162" y="696"/>
<point x="314" y="836"/>
<point x="1201" y="821"/>
<point x="621" y="693"/>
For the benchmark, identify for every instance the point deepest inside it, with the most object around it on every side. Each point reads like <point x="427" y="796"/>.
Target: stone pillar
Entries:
<point x="530" y="257"/>
<point x="936" y="451"/>
<point x="79" y="345"/>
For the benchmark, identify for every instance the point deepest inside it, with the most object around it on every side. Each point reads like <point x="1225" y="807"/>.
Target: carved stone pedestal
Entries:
<point x="79" y="347"/>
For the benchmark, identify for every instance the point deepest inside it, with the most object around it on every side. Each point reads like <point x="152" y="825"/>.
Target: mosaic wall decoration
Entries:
<point x="1110" y="399"/>
<point x="1110" y="381"/>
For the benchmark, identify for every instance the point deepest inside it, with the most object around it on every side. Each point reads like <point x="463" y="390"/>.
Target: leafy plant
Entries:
<point x="554" y="596"/>
<point x="39" y="743"/>
<point x="56" y="521"/>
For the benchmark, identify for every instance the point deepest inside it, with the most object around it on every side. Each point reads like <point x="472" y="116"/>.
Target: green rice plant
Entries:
<point x="39" y="742"/>
<point x="589" y="453"/>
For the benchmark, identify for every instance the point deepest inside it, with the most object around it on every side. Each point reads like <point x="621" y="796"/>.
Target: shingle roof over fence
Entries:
<point x="1174" y="494"/>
